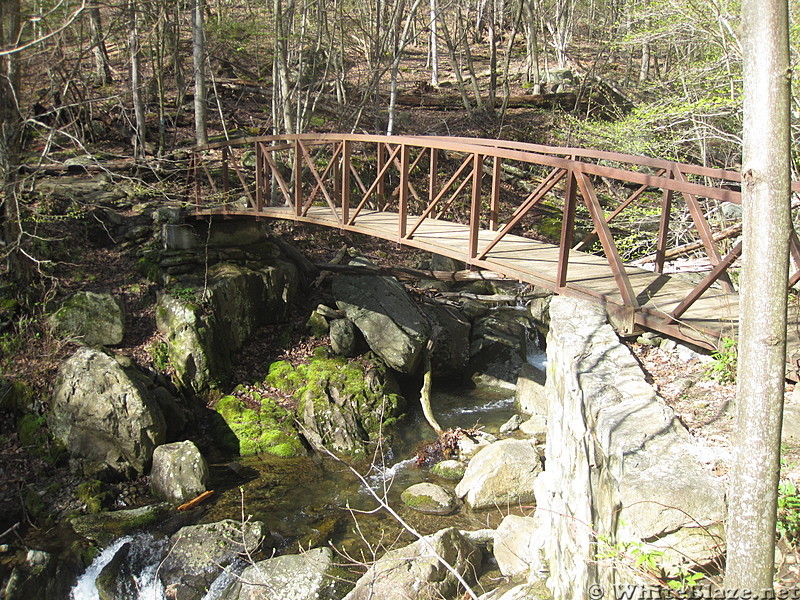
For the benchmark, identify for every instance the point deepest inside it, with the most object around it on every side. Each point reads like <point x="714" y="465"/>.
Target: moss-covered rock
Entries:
<point x="342" y="404"/>
<point x="266" y="428"/>
<point x="93" y="495"/>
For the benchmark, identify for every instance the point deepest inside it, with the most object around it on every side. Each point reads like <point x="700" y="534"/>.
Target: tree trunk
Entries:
<point x="140" y="135"/>
<point x="199" y="61"/>
<point x="762" y="331"/>
<point x="434" y="45"/>
<point x="101" y="64"/>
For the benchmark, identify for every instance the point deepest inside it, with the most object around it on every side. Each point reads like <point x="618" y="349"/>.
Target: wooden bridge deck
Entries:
<point x="470" y="224"/>
<point x="713" y="316"/>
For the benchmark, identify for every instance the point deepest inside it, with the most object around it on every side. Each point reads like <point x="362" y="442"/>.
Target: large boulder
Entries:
<point x="306" y="576"/>
<point x="105" y="415"/>
<point x="179" y="472"/>
<point x="623" y="469"/>
<point x="91" y="318"/>
<point x="199" y="553"/>
<point x="392" y="324"/>
<point x="501" y="474"/>
<point x="203" y="328"/>
<point x="342" y="405"/>
<point x="418" y="571"/>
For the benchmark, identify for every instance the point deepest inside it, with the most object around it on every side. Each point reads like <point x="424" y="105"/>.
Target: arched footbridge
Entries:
<point x="564" y="219"/>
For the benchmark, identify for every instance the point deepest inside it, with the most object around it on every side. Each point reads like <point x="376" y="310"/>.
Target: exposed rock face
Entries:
<point x="179" y="472"/>
<point x="622" y="462"/>
<point x="94" y="319"/>
<point x="105" y="415"/>
<point x="416" y="572"/>
<point x="290" y="577"/>
<point x="201" y="338"/>
<point x="503" y="473"/>
<point x="199" y="553"/>
<point x="393" y="326"/>
<point x="429" y="498"/>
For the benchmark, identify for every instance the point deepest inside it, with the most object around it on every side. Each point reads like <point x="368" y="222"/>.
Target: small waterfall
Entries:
<point x="536" y="355"/>
<point x="138" y="571"/>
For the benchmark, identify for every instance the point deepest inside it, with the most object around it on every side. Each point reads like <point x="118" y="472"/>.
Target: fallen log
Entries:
<point x="194" y="502"/>
<point x="414" y="274"/>
<point x="672" y="253"/>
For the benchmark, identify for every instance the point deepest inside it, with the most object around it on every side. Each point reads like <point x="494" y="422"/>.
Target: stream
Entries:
<point x="308" y="501"/>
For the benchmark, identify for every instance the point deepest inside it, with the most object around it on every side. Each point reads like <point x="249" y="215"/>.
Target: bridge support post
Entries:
<point x="567" y="227"/>
<point x="347" y="150"/>
<point x="475" y="209"/>
<point x="403" y="200"/>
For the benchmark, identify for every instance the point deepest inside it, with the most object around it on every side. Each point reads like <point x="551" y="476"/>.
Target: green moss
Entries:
<point x="93" y="495"/>
<point x="269" y="429"/>
<point x="378" y="407"/>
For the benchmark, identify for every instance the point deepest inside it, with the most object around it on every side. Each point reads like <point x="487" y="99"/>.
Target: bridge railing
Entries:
<point x="487" y="185"/>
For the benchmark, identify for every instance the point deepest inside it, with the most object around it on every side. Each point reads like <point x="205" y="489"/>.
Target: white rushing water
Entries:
<point x="144" y="557"/>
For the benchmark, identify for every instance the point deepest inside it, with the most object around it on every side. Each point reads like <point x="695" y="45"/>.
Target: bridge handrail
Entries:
<point x="499" y="148"/>
<point x="574" y="163"/>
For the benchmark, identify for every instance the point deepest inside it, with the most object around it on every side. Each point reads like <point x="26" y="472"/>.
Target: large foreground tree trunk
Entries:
<point x="762" y="332"/>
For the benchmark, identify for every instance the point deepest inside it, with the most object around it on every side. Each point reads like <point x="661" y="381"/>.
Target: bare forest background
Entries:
<point x="653" y="77"/>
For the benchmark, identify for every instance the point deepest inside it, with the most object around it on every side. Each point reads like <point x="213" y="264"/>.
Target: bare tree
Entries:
<point x="762" y="332"/>
<point x="199" y="61"/>
<point x="140" y="133"/>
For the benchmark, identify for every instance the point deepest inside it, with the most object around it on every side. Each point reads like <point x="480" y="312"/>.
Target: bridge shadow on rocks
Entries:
<point x="564" y="219"/>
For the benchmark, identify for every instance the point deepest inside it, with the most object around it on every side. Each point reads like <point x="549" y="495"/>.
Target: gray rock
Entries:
<point x="290" y="577"/>
<point x="179" y="237"/>
<point x="450" y="354"/>
<point x="201" y="339"/>
<point x="519" y="546"/>
<point x="416" y="571"/>
<point x="501" y="474"/>
<point x="94" y="319"/>
<point x="345" y="338"/>
<point x="469" y="446"/>
<point x="529" y="392"/>
<point x="429" y="498"/>
<point x="105" y="415"/>
<point x="344" y="410"/>
<point x="40" y="576"/>
<point x="199" y="553"/>
<point x="391" y="323"/>
<point x="179" y="472"/>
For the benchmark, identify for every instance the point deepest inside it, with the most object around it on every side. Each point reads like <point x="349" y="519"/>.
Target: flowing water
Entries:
<point x="307" y="501"/>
